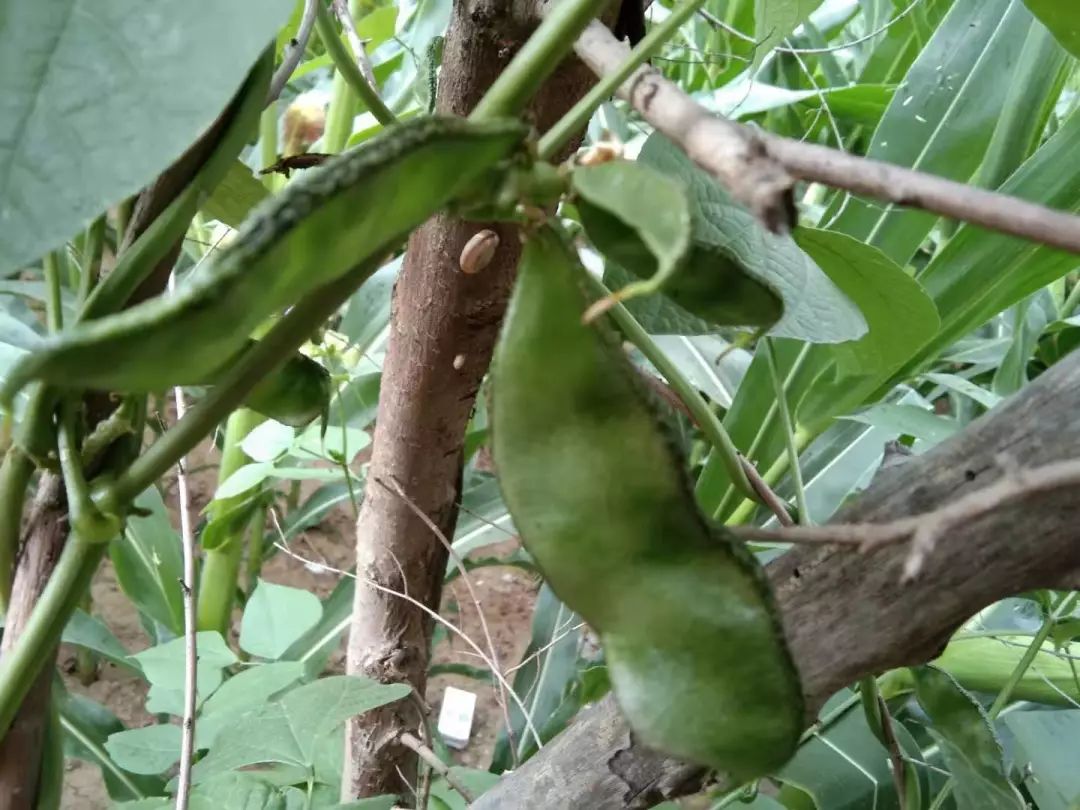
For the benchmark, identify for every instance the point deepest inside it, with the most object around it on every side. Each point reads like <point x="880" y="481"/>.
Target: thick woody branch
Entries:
<point x="849" y="615"/>
<point x="760" y="169"/>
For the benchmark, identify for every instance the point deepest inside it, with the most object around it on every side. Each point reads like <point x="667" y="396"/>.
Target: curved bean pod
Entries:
<point x="359" y="204"/>
<point x="696" y="655"/>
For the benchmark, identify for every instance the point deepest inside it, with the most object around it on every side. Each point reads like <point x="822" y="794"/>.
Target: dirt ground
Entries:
<point x="506" y="596"/>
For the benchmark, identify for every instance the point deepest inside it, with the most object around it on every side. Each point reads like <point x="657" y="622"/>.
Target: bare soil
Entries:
<point x="506" y="596"/>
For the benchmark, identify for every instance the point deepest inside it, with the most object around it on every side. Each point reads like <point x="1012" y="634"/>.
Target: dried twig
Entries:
<point x="341" y="9"/>
<point x="434" y="616"/>
<point x="777" y="505"/>
<point x="924" y="529"/>
<point x="187" y="589"/>
<point x="896" y="756"/>
<point x="294" y="52"/>
<point x="436" y="764"/>
<point x="760" y="169"/>
<point x="395" y="488"/>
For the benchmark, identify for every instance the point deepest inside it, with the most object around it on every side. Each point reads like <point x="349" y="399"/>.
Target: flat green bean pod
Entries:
<point x="697" y="658"/>
<point x="355" y="206"/>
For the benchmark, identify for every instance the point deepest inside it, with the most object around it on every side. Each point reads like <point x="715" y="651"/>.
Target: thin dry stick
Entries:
<point x="341" y="9"/>
<point x="760" y="169"/>
<point x="436" y="764"/>
<point x="546" y="647"/>
<point x="294" y="52"/>
<point x="395" y="488"/>
<point x="437" y="618"/>
<point x="896" y="756"/>
<point x="187" y="589"/>
<point x="777" y="505"/>
<point x="924" y="529"/>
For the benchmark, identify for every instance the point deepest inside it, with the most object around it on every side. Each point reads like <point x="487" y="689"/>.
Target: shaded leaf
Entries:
<point x="968" y="743"/>
<point x="275" y="617"/>
<point x="908" y="420"/>
<point x="62" y="160"/>
<point x="148" y="750"/>
<point x="1046" y="751"/>
<point x="238" y="192"/>
<point x="1063" y="20"/>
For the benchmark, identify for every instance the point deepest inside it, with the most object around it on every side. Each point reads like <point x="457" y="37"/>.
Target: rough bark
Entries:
<point x="847" y="614"/>
<point x="443" y="331"/>
<point x="20" y="749"/>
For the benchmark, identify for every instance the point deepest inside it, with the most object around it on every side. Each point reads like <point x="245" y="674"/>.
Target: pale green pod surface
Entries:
<point x="353" y="207"/>
<point x="697" y="658"/>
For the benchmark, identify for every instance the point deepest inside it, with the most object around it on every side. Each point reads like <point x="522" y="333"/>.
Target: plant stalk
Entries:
<point x="346" y="66"/>
<point x="221" y="565"/>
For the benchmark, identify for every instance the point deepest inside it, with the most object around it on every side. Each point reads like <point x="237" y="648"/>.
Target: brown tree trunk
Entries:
<point x="846" y="614"/>
<point x="21" y="747"/>
<point x="443" y="331"/>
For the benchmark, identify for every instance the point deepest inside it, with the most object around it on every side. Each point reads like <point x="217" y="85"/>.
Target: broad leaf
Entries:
<point x="967" y="741"/>
<point x="239" y="694"/>
<point x="636" y="215"/>
<point x="148" y="563"/>
<point x="63" y="160"/>
<point x="908" y="420"/>
<point x="734" y="259"/>
<point x="1045" y="747"/>
<point x="275" y="617"/>
<point x="287" y="730"/>
<point x="776" y="19"/>
<point x="900" y="314"/>
<point x="149" y="750"/>
<point x="1063" y="20"/>
<point x="237" y="193"/>
<point x="163" y="665"/>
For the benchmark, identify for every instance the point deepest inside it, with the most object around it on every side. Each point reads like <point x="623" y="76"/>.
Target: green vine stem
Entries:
<point x="253" y="561"/>
<point x="270" y="352"/>
<point x="788" y="425"/>
<point x="707" y="420"/>
<point x="93" y="245"/>
<point x="346" y="66"/>
<point x="221" y="564"/>
<point x="578" y="116"/>
<point x="538" y="58"/>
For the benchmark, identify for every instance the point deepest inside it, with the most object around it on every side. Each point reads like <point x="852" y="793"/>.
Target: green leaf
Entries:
<point x="968" y="743"/>
<point x="339" y="442"/>
<point x="939" y="122"/>
<point x="1063" y="20"/>
<point x="637" y="214"/>
<point x="149" y="750"/>
<point x="86" y="726"/>
<point x="62" y="160"/>
<point x="316" y="646"/>
<point x="988" y="399"/>
<point x="245" y="478"/>
<point x="658" y="314"/>
<point x="1045" y="747"/>
<point x="267" y="441"/>
<point x="148" y="563"/>
<point x="368" y="312"/>
<point x="734" y="261"/>
<point x="91" y="633"/>
<point x="908" y="420"/>
<point x="238" y="192"/>
<point x="776" y="19"/>
<point x="900" y="315"/>
<point x="163" y="665"/>
<point x="275" y="617"/>
<point x="474" y="780"/>
<point x="548" y="679"/>
<point x="288" y="729"/>
<point x="239" y="791"/>
<point x="242" y="692"/>
<point x="845" y="767"/>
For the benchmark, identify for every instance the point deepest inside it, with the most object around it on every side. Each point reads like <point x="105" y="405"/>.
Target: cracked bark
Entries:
<point x="846" y="614"/>
<point x="425" y="402"/>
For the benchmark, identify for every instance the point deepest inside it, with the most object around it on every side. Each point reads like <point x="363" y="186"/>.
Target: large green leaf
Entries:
<point x="86" y="726"/>
<point x="148" y="563"/>
<point x="734" y="256"/>
<point x="968" y="743"/>
<point x="148" y="750"/>
<point x="943" y="119"/>
<point x="545" y="682"/>
<point x="238" y="192"/>
<point x="275" y="617"/>
<point x="288" y="729"/>
<point x="626" y="206"/>
<point x="101" y="95"/>
<point x="163" y="665"/>
<point x="1046" y="748"/>
<point x="900" y="314"/>
<point x="1062" y="18"/>
<point x="776" y="19"/>
<point x="845" y="767"/>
